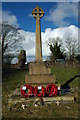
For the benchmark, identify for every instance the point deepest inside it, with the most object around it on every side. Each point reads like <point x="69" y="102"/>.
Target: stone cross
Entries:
<point x="38" y="13"/>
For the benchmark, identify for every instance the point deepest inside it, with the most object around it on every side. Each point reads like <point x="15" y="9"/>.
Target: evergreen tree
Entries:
<point x="56" y="52"/>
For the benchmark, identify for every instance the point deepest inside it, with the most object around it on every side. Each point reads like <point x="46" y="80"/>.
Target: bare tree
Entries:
<point x="72" y="48"/>
<point x="10" y="41"/>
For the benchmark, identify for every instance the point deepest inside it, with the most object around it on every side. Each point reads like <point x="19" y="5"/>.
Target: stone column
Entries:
<point x="38" y="13"/>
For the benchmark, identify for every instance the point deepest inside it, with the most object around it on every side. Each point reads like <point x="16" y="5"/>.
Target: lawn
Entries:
<point x="15" y="78"/>
<point x="65" y="73"/>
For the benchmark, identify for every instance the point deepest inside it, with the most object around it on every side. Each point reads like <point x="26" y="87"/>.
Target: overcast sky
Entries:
<point x="60" y="20"/>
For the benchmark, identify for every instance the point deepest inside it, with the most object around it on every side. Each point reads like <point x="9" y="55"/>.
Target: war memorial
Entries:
<point x="40" y="89"/>
<point x="40" y="83"/>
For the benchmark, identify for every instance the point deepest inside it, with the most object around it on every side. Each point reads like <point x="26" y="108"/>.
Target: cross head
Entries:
<point x="37" y="12"/>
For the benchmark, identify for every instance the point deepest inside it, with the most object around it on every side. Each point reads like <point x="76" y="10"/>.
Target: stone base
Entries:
<point x="45" y="99"/>
<point x="38" y="68"/>
<point x="16" y="97"/>
<point x="40" y="79"/>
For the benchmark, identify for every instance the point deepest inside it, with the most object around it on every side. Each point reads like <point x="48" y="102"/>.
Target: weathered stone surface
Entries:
<point x="39" y="79"/>
<point x="18" y="98"/>
<point x="38" y="68"/>
<point x="22" y="59"/>
<point x="59" y="98"/>
<point x="45" y="99"/>
<point x="38" y="13"/>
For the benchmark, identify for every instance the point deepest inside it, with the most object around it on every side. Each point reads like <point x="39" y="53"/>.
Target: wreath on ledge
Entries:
<point x="39" y="91"/>
<point x="27" y="90"/>
<point x="51" y="90"/>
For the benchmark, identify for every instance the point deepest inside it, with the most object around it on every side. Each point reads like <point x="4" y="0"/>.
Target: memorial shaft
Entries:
<point x="38" y="13"/>
<point x="38" y="40"/>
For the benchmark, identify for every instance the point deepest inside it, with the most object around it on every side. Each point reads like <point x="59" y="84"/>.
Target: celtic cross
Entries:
<point x="38" y="13"/>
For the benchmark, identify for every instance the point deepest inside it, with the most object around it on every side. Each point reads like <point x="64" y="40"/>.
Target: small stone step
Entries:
<point x="45" y="99"/>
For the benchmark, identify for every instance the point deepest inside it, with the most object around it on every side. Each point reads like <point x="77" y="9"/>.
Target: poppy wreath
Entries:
<point x="51" y="90"/>
<point x="48" y="89"/>
<point x="54" y="90"/>
<point x="27" y="90"/>
<point x="40" y="94"/>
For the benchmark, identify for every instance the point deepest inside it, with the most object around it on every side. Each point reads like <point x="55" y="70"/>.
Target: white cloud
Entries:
<point x="7" y="16"/>
<point x="29" y="43"/>
<point x="63" y="11"/>
<point x="14" y="61"/>
<point x="62" y="32"/>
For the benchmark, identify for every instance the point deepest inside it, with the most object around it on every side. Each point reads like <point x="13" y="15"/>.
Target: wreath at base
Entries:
<point x="51" y="90"/>
<point x="27" y="90"/>
<point x="39" y="91"/>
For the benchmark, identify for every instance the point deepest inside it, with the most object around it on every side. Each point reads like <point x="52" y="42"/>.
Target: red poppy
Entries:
<point x="40" y="92"/>
<point x="27" y="90"/>
<point x="51" y="90"/>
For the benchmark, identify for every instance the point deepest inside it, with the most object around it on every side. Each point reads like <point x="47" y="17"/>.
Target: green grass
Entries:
<point x="68" y="110"/>
<point x="13" y="79"/>
<point x="63" y="74"/>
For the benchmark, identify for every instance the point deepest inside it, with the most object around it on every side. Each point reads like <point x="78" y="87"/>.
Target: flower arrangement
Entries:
<point x="48" y="89"/>
<point x="39" y="91"/>
<point x="27" y="90"/>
